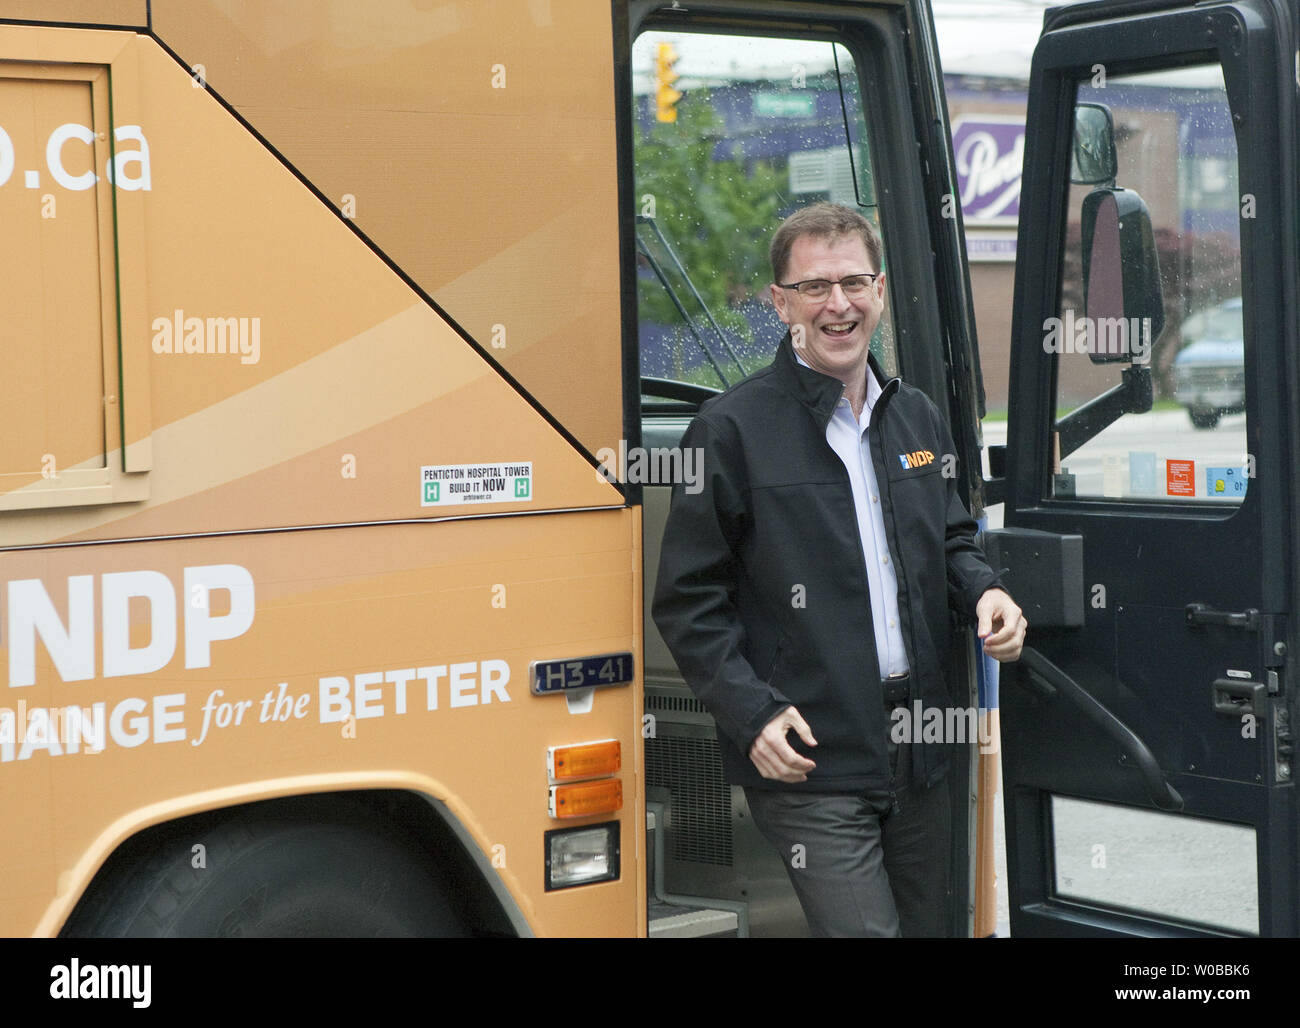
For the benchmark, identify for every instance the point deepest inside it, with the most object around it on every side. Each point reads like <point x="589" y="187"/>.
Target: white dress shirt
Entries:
<point x="847" y="436"/>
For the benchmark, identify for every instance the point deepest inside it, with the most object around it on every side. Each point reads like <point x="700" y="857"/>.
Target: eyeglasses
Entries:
<point x="855" y="286"/>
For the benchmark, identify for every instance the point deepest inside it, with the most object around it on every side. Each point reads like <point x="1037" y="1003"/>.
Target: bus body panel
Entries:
<point x="385" y="656"/>
<point x="126" y="13"/>
<point x="344" y="385"/>
<point x="202" y="594"/>
<point x="476" y="141"/>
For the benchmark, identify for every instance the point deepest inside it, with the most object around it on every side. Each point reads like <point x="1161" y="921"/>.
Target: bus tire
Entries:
<point x="273" y="870"/>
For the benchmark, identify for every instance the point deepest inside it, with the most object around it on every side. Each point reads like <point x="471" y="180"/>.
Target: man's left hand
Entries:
<point x="1001" y="625"/>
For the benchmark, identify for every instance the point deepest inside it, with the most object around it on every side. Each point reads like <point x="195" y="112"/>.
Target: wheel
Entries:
<point x="1203" y="417"/>
<point x="272" y="870"/>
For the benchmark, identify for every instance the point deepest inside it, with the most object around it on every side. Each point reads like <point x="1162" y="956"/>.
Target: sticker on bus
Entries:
<point x="1180" y="477"/>
<point x="1225" y="481"/>
<point x="1142" y="473"/>
<point x="447" y="485"/>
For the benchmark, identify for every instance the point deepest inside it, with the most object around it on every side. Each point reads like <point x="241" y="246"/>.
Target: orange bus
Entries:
<point x="348" y="349"/>
<point x="333" y="450"/>
<point x="308" y="366"/>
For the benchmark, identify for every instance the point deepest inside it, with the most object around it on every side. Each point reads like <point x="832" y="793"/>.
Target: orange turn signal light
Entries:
<point x="585" y="799"/>
<point x="584" y="760"/>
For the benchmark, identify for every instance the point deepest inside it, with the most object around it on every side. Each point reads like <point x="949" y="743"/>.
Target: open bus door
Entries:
<point x="1147" y="733"/>
<point x="742" y="112"/>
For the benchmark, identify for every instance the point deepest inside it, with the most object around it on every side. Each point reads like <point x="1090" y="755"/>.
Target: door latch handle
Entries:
<point x="1238" y="698"/>
<point x="1201" y="614"/>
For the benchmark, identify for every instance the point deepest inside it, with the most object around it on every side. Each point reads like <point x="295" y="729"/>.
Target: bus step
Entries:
<point x="674" y="922"/>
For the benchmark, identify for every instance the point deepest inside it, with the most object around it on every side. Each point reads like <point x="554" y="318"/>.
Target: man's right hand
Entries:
<point x="777" y="759"/>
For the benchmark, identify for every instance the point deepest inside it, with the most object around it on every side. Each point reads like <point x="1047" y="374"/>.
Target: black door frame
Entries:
<point x="1048" y="748"/>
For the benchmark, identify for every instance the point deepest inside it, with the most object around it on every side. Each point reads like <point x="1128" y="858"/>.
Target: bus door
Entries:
<point x="742" y="113"/>
<point x="1148" y="748"/>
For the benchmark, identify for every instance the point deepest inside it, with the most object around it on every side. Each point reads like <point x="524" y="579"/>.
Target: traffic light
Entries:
<point x="666" y="96"/>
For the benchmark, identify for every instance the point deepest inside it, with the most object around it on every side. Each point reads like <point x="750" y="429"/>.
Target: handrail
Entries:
<point x="1162" y="794"/>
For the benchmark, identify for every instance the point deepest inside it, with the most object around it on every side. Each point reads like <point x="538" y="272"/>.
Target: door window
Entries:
<point x="1153" y="863"/>
<point x="1183" y="440"/>
<point x="734" y="133"/>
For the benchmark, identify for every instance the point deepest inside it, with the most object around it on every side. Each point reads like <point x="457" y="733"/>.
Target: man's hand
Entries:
<point x="1001" y="625"/>
<point x="774" y="757"/>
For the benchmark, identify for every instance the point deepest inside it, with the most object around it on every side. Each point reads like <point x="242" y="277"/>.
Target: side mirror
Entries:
<point x="1092" y="158"/>
<point x="1122" y="297"/>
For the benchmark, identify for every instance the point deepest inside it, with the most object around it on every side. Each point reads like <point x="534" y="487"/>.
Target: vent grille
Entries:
<point x="687" y="704"/>
<point x="691" y="769"/>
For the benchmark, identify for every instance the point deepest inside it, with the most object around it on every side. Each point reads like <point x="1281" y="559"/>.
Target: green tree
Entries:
<point x="716" y="214"/>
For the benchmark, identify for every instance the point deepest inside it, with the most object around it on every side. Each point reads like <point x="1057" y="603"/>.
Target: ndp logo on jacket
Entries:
<point x="916" y="459"/>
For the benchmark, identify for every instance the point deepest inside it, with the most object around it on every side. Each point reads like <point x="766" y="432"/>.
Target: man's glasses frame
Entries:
<point x="854" y="286"/>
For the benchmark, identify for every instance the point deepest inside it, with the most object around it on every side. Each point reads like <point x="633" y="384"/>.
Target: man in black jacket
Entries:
<point x="805" y="588"/>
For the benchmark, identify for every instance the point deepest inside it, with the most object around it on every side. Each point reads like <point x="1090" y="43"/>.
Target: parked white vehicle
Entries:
<point x="1210" y="371"/>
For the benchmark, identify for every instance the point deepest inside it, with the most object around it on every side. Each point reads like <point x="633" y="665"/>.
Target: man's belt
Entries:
<point x="897" y="689"/>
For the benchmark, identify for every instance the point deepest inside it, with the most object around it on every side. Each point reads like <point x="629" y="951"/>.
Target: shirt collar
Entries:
<point x="873" y="384"/>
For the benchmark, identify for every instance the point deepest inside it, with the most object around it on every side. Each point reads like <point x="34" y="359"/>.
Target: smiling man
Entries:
<point x="804" y="591"/>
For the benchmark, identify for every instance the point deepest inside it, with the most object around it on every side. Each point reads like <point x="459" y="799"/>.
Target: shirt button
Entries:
<point x="884" y="560"/>
<point x="875" y="499"/>
<point x="893" y="623"/>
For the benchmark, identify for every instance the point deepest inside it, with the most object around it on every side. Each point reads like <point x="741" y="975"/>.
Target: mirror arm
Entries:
<point x="1133" y="395"/>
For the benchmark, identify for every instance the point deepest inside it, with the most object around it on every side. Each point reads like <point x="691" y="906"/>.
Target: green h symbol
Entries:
<point x="522" y="486"/>
<point x="430" y="492"/>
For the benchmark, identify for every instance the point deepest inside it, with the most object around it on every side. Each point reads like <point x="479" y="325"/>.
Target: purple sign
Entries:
<point x="990" y="151"/>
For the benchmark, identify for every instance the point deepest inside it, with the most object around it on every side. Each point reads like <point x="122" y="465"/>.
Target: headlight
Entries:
<point x="580" y="856"/>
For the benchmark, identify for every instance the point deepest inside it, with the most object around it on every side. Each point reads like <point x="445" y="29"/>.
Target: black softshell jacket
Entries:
<point x="762" y="594"/>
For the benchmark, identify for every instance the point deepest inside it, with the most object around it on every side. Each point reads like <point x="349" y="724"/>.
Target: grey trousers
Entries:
<point x="860" y="867"/>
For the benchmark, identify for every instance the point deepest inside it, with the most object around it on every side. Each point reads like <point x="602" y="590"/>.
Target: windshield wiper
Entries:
<point x="657" y="266"/>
